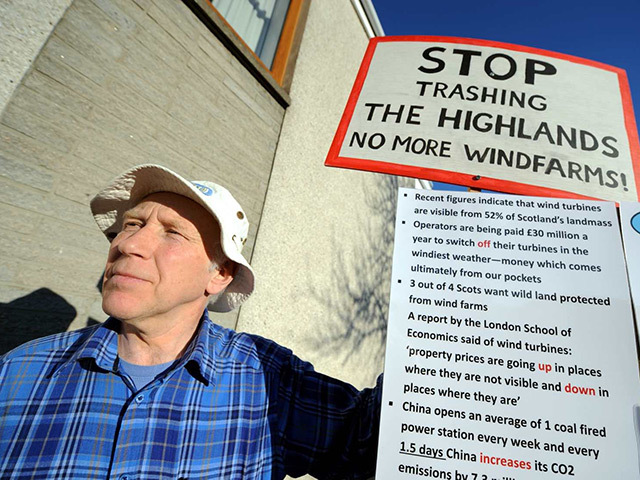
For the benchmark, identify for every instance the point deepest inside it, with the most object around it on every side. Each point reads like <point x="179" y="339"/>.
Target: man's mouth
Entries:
<point x="124" y="278"/>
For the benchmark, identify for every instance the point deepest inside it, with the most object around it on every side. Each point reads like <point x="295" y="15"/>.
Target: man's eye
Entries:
<point x="173" y="232"/>
<point x="130" y="225"/>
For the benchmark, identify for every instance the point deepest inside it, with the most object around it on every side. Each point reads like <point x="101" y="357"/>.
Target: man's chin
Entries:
<point x="121" y="308"/>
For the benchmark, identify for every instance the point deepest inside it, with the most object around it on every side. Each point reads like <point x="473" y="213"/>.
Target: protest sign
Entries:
<point x="491" y="115"/>
<point x="510" y="349"/>
<point x="630" y="222"/>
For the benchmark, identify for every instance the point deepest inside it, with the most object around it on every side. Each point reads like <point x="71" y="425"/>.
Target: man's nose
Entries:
<point x="139" y="243"/>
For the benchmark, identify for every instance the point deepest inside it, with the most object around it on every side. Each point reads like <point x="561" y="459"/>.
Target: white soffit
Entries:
<point x="368" y="17"/>
<point x="371" y="24"/>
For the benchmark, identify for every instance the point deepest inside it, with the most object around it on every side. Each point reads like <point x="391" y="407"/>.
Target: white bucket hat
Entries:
<point x="128" y="189"/>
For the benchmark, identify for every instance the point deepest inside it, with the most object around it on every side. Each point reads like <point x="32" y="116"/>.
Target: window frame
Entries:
<point x="289" y="42"/>
<point x="276" y="80"/>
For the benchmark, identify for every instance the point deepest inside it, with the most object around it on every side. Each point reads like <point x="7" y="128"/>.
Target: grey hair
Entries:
<point x="219" y="258"/>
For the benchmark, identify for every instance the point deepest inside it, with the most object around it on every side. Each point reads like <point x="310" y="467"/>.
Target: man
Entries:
<point x="160" y="392"/>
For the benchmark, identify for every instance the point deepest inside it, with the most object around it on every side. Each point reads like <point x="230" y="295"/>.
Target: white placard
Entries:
<point x="510" y="348"/>
<point x="493" y="116"/>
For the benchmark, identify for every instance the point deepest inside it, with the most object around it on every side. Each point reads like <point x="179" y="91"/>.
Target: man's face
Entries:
<point x="158" y="266"/>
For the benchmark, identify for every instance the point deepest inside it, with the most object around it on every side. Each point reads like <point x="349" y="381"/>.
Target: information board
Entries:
<point x="511" y="352"/>
<point x="493" y="116"/>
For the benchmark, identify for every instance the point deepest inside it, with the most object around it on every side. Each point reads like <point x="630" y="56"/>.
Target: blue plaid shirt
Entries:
<point x="237" y="406"/>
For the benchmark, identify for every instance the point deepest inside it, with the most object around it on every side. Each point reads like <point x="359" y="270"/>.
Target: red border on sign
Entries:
<point x="335" y="160"/>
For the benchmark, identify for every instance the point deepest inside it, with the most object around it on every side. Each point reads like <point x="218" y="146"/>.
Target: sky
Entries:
<point x="604" y="31"/>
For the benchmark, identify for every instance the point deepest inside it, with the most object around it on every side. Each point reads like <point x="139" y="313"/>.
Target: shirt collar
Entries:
<point x="101" y="348"/>
<point x="199" y="358"/>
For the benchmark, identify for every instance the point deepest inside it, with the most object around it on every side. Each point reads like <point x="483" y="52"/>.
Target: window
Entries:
<point x="270" y="28"/>
<point x="258" y="22"/>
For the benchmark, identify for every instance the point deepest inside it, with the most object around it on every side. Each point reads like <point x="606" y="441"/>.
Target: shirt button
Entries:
<point x="139" y="399"/>
<point x="124" y="477"/>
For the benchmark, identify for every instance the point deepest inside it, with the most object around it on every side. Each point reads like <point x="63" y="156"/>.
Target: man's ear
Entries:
<point x="221" y="278"/>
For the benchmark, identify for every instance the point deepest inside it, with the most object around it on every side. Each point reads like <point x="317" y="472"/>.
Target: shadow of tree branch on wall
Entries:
<point x="357" y="300"/>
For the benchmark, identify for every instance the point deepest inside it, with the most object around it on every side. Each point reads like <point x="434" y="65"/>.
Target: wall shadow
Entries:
<point x="357" y="300"/>
<point x="40" y="313"/>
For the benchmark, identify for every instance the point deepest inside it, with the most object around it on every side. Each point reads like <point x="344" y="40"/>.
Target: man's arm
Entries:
<point x="319" y="425"/>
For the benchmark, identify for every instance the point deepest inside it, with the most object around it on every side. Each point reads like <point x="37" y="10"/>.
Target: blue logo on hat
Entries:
<point x="206" y="190"/>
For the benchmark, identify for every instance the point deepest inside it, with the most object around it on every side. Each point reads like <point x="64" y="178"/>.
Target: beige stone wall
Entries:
<point x="123" y="82"/>
<point x="23" y="31"/>
<point x="323" y="251"/>
<point x="118" y="83"/>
